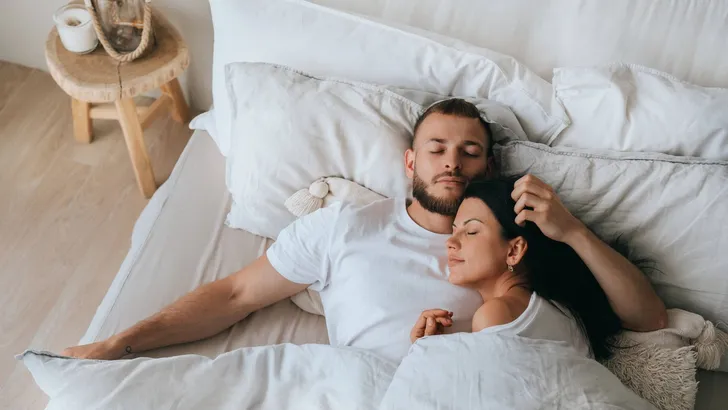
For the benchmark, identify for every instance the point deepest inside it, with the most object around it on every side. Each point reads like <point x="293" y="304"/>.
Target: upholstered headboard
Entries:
<point x="688" y="39"/>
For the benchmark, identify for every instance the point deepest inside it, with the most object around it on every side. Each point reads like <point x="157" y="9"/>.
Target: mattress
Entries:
<point x="180" y="242"/>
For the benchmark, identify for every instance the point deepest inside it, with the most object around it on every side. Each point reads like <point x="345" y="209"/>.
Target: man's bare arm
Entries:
<point x="201" y="313"/>
<point x="629" y="292"/>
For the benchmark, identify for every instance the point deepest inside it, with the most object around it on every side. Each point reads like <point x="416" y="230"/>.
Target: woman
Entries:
<point x="531" y="285"/>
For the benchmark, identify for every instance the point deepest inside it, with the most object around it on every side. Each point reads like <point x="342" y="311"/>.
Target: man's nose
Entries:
<point x="453" y="160"/>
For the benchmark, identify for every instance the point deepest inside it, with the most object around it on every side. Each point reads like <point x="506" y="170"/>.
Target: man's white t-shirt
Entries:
<point x="376" y="270"/>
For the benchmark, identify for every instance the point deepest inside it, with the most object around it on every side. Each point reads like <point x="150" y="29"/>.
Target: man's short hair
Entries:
<point x="459" y="108"/>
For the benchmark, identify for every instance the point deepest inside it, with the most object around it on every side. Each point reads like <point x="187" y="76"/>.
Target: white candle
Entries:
<point x="75" y="28"/>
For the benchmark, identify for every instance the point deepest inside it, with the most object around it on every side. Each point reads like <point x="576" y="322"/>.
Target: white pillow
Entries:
<point x="673" y="210"/>
<point x="291" y="129"/>
<point x="503" y="123"/>
<point x="326" y="42"/>
<point x="625" y="107"/>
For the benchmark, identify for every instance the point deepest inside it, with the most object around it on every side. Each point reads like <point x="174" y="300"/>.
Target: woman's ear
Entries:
<point x="518" y="248"/>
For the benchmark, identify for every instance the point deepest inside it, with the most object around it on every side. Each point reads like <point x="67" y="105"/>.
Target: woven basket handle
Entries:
<point x="146" y="33"/>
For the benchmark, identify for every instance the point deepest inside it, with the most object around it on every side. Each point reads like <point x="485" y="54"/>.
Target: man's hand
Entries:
<point x="546" y="210"/>
<point x="431" y="322"/>
<point x="103" y="350"/>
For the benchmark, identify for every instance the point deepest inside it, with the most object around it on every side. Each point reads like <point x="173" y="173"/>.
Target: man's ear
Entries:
<point x="490" y="167"/>
<point x="409" y="163"/>
<point x="518" y="248"/>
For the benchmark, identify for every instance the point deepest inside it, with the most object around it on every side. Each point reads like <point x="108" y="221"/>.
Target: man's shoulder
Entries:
<point x="377" y="209"/>
<point x="344" y="217"/>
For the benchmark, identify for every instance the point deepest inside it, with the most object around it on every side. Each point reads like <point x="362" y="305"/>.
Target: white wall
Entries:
<point x="25" y="25"/>
<point x="685" y="38"/>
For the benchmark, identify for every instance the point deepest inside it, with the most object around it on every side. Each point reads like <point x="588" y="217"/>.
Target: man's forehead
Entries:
<point x="442" y="128"/>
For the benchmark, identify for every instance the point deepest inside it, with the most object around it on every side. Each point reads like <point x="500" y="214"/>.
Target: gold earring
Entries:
<point x="510" y="268"/>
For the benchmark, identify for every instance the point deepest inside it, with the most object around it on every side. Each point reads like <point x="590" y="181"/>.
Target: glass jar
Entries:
<point x="122" y="22"/>
<point x="74" y="26"/>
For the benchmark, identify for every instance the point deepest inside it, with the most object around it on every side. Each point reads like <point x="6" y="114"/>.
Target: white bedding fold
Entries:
<point x="493" y="371"/>
<point x="286" y="376"/>
<point x="458" y="371"/>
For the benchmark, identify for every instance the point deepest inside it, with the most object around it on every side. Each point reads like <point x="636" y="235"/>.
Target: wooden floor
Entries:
<point x="66" y="214"/>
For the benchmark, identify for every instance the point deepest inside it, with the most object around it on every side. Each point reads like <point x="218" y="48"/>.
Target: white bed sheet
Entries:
<point x="179" y="243"/>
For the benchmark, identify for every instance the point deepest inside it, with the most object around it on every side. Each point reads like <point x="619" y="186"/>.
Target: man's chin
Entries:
<point x="436" y="198"/>
<point x="442" y="204"/>
<point x="449" y="193"/>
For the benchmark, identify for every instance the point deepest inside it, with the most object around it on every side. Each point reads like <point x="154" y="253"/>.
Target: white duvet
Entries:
<point x="459" y="371"/>
<point x="491" y="371"/>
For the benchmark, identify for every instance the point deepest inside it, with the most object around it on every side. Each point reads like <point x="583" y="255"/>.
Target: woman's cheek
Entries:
<point x="457" y="275"/>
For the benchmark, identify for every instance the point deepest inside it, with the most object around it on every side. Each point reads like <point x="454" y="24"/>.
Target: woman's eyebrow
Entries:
<point x="454" y="225"/>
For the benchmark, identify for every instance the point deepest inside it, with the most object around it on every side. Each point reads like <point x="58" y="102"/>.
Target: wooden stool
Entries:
<point x="100" y="87"/>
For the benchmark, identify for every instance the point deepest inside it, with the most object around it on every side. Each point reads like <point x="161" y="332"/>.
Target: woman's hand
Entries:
<point x="431" y="322"/>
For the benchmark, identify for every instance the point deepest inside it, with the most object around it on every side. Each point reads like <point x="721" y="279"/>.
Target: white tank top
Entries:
<point x="542" y="320"/>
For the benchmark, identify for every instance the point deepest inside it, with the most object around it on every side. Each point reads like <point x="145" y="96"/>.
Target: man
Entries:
<point x="378" y="267"/>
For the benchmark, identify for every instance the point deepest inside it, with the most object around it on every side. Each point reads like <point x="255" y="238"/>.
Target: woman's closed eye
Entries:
<point x="472" y="233"/>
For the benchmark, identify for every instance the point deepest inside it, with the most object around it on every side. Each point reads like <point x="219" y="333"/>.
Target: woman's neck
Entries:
<point x="431" y="221"/>
<point x="499" y="286"/>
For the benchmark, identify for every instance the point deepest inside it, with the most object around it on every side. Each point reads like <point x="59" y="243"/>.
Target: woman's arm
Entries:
<point x="629" y="292"/>
<point x="494" y="312"/>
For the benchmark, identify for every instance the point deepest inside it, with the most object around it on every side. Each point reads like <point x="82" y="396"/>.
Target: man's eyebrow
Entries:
<point x="466" y="142"/>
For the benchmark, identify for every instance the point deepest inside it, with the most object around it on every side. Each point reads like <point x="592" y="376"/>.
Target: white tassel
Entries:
<point x="710" y="346"/>
<point x="305" y="201"/>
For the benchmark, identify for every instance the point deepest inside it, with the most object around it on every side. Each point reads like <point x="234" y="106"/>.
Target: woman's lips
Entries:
<point x="452" y="261"/>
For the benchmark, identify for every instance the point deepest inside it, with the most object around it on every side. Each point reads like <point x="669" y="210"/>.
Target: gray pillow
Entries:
<point x="673" y="210"/>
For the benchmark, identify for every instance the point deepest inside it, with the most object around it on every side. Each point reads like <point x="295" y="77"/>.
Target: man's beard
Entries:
<point x="442" y="206"/>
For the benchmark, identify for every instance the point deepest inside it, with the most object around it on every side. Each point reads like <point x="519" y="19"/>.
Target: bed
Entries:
<point x="205" y="250"/>
<point x="181" y="241"/>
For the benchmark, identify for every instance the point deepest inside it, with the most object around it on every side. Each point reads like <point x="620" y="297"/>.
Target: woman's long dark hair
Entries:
<point x="552" y="269"/>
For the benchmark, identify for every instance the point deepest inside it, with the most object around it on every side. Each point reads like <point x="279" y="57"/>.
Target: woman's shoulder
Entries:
<point x="499" y="311"/>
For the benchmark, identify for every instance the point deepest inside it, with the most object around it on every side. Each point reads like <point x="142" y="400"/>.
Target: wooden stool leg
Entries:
<point x="180" y="111"/>
<point x="135" y="144"/>
<point x="82" y="130"/>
